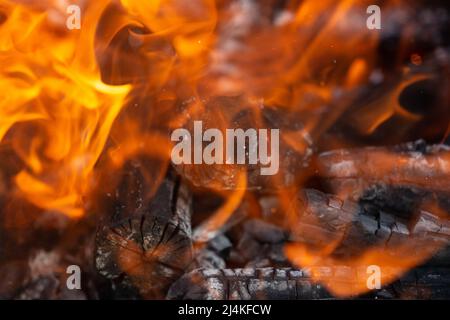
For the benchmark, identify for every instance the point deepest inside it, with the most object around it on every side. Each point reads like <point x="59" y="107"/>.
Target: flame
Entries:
<point x="393" y="168"/>
<point x="79" y="103"/>
<point x="393" y="263"/>
<point x="373" y="115"/>
<point x="58" y="113"/>
<point x="317" y="250"/>
<point x="208" y="230"/>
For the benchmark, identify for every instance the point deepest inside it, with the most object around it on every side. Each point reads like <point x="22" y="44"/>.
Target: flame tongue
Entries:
<point x="58" y="113"/>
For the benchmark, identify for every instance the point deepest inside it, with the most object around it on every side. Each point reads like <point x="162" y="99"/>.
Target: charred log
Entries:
<point x="325" y="218"/>
<point x="149" y="247"/>
<point x="413" y="164"/>
<point x="295" y="284"/>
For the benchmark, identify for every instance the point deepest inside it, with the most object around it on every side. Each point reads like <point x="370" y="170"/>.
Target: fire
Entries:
<point x="392" y="265"/>
<point x="209" y="229"/>
<point x="78" y="104"/>
<point x="58" y="113"/>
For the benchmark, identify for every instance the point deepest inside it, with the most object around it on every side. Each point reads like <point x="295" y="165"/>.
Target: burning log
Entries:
<point x="405" y="200"/>
<point x="295" y="284"/>
<point x="245" y="120"/>
<point x="326" y="218"/>
<point x="151" y="246"/>
<point x="245" y="284"/>
<point x="414" y="164"/>
<point x="275" y="157"/>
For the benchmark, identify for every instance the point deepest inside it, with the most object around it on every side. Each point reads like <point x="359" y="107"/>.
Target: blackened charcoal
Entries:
<point x="324" y="218"/>
<point x="264" y="232"/>
<point x="293" y="284"/>
<point x="208" y="259"/>
<point x="265" y="255"/>
<point x="248" y="247"/>
<point x="276" y="254"/>
<point x="401" y="200"/>
<point x="259" y="262"/>
<point x="50" y="287"/>
<point x="237" y="284"/>
<point x="41" y="288"/>
<point x="405" y="201"/>
<point x="150" y="246"/>
<point x="270" y="256"/>
<point x="441" y="258"/>
<point x="423" y="283"/>
<point x="212" y="255"/>
<point x="246" y="284"/>
<point x="258" y="243"/>
<point x="220" y="244"/>
<point x="42" y="275"/>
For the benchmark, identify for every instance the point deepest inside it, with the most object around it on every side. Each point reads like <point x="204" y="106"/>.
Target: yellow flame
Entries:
<point x="53" y="85"/>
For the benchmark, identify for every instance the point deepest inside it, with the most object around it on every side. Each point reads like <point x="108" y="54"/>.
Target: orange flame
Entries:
<point x="58" y="113"/>
<point x="228" y="63"/>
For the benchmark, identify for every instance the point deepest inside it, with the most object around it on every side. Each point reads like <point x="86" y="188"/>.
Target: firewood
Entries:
<point x="293" y="284"/>
<point x="149" y="247"/>
<point x="294" y="147"/>
<point x="324" y="218"/>
<point x="413" y="164"/>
